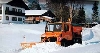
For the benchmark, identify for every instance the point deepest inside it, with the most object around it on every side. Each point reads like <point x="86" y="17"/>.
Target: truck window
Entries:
<point x="57" y="27"/>
<point x="66" y="27"/>
<point x="54" y="27"/>
<point x="51" y="27"/>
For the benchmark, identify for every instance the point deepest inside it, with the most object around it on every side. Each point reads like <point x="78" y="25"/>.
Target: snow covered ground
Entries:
<point x="11" y="35"/>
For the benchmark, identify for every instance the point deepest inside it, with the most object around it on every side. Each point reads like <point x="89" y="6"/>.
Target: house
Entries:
<point x="36" y="16"/>
<point x="13" y="11"/>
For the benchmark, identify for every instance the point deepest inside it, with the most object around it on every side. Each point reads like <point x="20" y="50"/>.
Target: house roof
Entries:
<point x="18" y="3"/>
<point x="48" y="13"/>
<point x="48" y="17"/>
<point x="35" y="12"/>
<point x="39" y="12"/>
<point x="5" y="1"/>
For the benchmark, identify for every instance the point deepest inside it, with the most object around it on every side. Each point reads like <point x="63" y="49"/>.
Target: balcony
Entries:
<point x="14" y="13"/>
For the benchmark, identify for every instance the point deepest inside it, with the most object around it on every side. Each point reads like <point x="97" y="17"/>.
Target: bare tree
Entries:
<point x="59" y="8"/>
<point x="64" y="9"/>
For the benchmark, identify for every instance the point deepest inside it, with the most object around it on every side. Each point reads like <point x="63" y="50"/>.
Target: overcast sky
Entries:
<point x="89" y="11"/>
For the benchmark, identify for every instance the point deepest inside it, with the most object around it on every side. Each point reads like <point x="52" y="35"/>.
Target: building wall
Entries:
<point x="32" y="19"/>
<point x="11" y="16"/>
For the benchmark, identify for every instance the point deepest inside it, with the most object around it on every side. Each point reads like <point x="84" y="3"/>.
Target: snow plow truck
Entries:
<point x="63" y="33"/>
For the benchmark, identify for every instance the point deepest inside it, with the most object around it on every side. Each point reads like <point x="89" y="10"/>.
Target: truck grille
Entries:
<point x="49" y="39"/>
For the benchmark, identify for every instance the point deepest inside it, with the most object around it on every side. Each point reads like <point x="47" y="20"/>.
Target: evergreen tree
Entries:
<point x="81" y="15"/>
<point x="34" y="6"/>
<point x="38" y="7"/>
<point x="95" y="12"/>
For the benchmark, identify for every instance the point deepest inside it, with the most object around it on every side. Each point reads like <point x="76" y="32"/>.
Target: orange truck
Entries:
<point x="63" y="33"/>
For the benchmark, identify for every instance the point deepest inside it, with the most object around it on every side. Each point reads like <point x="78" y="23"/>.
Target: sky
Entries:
<point x="89" y="11"/>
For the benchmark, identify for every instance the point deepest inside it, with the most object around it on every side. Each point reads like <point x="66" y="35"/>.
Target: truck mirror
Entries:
<point x="46" y="28"/>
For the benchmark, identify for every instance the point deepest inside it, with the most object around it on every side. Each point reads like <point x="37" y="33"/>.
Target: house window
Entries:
<point x="23" y="19"/>
<point x="7" y="8"/>
<point x="19" y="19"/>
<point x="14" y="18"/>
<point x="14" y="9"/>
<point x="7" y="17"/>
<point x="19" y="10"/>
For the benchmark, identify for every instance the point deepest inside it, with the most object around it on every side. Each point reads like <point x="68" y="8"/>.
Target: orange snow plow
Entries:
<point x="63" y="33"/>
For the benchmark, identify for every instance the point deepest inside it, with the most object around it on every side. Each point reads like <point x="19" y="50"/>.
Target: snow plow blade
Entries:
<point x="25" y="45"/>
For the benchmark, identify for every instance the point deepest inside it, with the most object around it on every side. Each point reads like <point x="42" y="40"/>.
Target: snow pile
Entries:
<point x="43" y="48"/>
<point x="95" y="48"/>
<point x="87" y="34"/>
<point x="76" y="45"/>
<point x="92" y="36"/>
<point x="48" y="47"/>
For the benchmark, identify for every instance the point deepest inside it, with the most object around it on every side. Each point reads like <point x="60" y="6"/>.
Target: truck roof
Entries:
<point x="74" y="24"/>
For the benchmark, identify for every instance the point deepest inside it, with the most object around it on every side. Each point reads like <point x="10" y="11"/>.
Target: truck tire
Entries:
<point x="78" y="40"/>
<point x="64" y="42"/>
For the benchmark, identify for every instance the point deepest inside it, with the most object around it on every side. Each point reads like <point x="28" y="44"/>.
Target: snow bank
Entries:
<point x="87" y="34"/>
<point x="43" y="48"/>
<point x="76" y="45"/>
<point x="91" y="35"/>
<point x="95" y="48"/>
<point x="48" y="48"/>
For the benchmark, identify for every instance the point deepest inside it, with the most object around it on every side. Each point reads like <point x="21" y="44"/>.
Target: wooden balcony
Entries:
<point x="14" y="13"/>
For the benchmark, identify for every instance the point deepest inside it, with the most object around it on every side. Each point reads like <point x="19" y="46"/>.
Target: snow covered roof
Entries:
<point x="47" y="17"/>
<point x="5" y="1"/>
<point x="35" y="12"/>
<point x="18" y="3"/>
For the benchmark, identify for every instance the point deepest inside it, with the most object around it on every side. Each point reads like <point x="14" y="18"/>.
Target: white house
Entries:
<point x="11" y="13"/>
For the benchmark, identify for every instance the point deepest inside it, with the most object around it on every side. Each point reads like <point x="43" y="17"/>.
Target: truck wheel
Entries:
<point x="64" y="42"/>
<point x="78" y="40"/>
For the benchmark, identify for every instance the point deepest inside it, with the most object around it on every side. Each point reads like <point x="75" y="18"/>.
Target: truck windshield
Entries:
<point x="54" y="27"/>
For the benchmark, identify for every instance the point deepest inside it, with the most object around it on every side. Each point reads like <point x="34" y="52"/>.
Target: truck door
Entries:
<point x="67" y="33"/>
